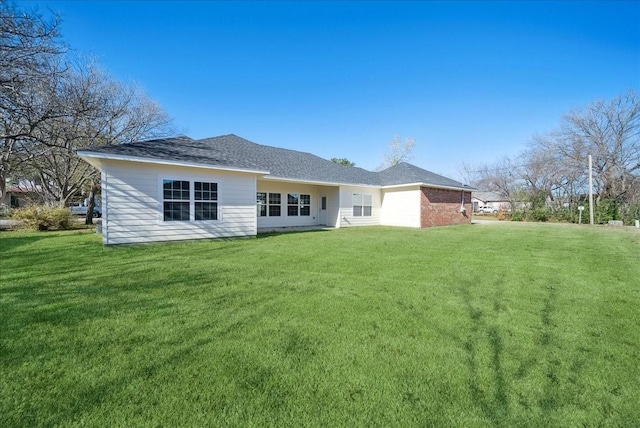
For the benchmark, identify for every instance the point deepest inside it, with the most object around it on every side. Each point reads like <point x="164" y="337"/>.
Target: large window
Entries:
<point x="362" y="204"/>
<point x="206" y="197"/>
<point x="178" y="203"/>
<point x="175" y="194"/>
<point x="269" y="204"/>
<point x="298" y="205"/>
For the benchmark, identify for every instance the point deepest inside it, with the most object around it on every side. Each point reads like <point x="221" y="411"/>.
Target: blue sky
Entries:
<point x="469" y="81"/>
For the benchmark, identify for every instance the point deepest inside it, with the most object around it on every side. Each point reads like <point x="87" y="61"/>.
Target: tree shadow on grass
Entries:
<point x="9" y="243"/>
<point x="492" y="399"/>
<point x="496" y="391"/>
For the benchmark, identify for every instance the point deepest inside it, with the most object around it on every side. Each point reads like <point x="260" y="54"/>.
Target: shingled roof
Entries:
<point x="405" y="173"/>
<point x="231" y="151"/>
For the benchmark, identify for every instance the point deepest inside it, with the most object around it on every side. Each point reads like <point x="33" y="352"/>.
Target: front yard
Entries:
<point x="516" y="325"/>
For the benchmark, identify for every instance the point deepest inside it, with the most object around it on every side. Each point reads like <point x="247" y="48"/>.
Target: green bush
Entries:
<point x="517" y="216"/>
<point x="540" y="214"/>
<point x="629" y="213"/>
<point x="41" y="217"/>
<point x="570" y="215"/>
<point x="605" y="210"/>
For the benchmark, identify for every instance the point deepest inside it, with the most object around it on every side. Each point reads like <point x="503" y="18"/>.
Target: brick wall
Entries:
<point x="441" y="207"/>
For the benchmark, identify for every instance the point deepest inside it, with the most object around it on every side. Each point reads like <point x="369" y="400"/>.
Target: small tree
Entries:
<point x="343" y="161"/>
<point x="399" y="151"/>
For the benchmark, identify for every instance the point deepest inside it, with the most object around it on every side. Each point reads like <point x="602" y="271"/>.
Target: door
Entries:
<point x="322" y="210"/>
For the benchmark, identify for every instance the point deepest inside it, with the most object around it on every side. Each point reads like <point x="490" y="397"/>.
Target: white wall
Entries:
<point x="401" y="207"/>
<point x="346" y="217"/>
<point x="132" y="203"/>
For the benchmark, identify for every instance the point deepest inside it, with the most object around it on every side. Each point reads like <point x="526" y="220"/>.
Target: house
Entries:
<point x="226" y="186"/>
<point x="20" y="194"/>
<point x="490" y="199"/>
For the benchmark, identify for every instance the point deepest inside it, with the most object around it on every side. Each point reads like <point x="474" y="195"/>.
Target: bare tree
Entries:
<point x="30" y="52"/>
<point x="93" y="110"/>
<point x="399" y="151"/>
<point x="505" y="177"/>
<point x="610" y="132"/>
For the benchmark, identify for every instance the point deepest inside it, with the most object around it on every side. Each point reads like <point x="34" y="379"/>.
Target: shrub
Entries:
<point x="41" y="217"/>
<point x="5" y="211"/>
<point x="517" y="216"/>
<point x="605" y="210"/>
<point x="567" y="215"/>
<point x="629" y="213"/>
<point x="540" y="214"/>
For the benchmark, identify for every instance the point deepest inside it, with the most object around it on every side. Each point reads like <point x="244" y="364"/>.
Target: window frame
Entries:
<point x="298" y="205"/>
<point x="209" y="198"/>
<point x="211" y="201"/>
<point x="362" y="204"/>
<point x="272" y="204"/>
<point x="175" y="198"/>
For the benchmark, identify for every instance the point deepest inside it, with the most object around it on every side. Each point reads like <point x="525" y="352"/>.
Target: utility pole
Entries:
<point x="590" y="192"/>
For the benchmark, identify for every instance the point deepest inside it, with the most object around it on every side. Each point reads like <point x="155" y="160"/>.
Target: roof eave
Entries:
<point x="435" y="186"/>
<point x="94" y="159"/>
<point x="319" y="183"/>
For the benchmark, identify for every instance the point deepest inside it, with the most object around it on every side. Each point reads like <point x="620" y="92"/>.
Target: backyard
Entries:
<point x="475" y="325"/>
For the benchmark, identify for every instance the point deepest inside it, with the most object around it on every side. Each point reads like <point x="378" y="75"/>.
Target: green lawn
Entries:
<point x="474" y="326"/>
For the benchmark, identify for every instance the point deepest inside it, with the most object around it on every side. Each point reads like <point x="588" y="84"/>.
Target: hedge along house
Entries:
<point x="180" y="188"/>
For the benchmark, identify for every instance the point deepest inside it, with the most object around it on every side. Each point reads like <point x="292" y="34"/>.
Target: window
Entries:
<point x="305" y="205"/>
<point x="292" y="202"/>
<point x="362" y="205"/>
<point x="261" y="198"/>
<point x="298" y="205"/>
<point x="175" y="195"/>
<point x="206" y="197"/>
<point x="268" y="206"/>
<point x="178" y="203"/>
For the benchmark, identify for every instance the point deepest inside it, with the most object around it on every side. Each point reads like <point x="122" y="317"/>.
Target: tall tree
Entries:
<point x="93" y="110"/>
<point x="610" y="132"/>
<point x="30" y="52"/>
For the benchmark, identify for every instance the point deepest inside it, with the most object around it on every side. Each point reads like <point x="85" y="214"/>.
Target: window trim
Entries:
<point x="192" y="199"/>
<point x="268" y="204"/>
<point x="213" y="199"/>
<point x="298" y="206"/>
<point x="180" y="200"/>
<point x="365" y="207"/>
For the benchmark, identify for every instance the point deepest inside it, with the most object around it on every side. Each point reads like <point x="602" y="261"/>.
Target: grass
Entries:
<point x="477" y="326"/>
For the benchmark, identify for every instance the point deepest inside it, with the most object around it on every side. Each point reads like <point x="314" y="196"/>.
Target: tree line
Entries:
<point x="550" y="177"/>
<point x="53" y="102"/>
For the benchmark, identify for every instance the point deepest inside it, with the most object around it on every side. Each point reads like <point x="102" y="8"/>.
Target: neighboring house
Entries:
<point x="21" y="195"/>
<point x="180" y="188"/>
<point x="490" y="199"/>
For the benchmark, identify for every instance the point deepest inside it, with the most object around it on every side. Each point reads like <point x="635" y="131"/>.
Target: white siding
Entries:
<point x="401" y="207"/>
<point x="346" y="207"/>
<point x="132" y="204"/>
